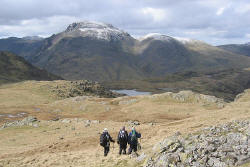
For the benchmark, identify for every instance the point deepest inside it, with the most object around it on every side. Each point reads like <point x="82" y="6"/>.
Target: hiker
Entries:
<point x="133" y="140"/>
<point x="122" y="140"/>
<point x="105" y="140"/>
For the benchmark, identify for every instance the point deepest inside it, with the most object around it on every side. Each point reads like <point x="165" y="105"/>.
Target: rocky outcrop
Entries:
<point x="217" y="146"/>
<point x="189" y="96"/>
<point x="68" y="89"/>
<point x="243" y="97"/>
<point x="28" y="121"/>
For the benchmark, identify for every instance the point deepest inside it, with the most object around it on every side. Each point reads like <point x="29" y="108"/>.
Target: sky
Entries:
<point x="213" y="21"/>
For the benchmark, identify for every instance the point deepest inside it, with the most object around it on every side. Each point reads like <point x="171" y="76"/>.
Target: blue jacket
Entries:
<point x="138" y="135"/>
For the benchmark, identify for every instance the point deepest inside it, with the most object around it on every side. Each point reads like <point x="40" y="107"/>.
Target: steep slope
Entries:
<point x="163" y="54"/>
<point x="210" y="57"/>
<point x="15" y="69"/>
<point x="243" y="49"/>
<point x="89" y="50"/>
<point x="102" y="52"/>
<point x="25" y="47"/>
<point x="160" y="54"/>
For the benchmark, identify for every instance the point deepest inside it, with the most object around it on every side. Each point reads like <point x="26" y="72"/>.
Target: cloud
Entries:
<point x="220" y="11"/>
<point x="214" y="21"/>
<point x="157" y="14"/>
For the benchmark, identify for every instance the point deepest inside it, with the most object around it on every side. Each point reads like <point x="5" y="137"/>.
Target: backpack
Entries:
<point x="133" y="137"/>
<point x="122" y="136"/>
<point x="103" y="139"/>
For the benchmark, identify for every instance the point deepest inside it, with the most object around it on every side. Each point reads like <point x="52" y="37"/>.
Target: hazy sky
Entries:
<point x="213" y="21"/>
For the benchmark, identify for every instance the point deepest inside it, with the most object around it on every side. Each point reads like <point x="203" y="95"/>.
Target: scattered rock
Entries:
<point x="141" y="158"/>
<point x="28" y="121"/>
<point x="61" y="138"/>
<point x="55" y="119"/>
<point x="82" y="88"/>
<point x="177" y="133"/>
<point x="66" y="121"/>
<point x="217" y="146"/>
<point x="95" y="121"/>
<point x="133" y="123"/>
<point x="87" y="124"/>
<point x="151" y="124"/>
<point x="189" y="96"/>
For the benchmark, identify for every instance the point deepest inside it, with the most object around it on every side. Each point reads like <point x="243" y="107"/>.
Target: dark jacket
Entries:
<point x="138" y="135"/>
<point x="105" y="139"/>
<point x="125" y="141"/>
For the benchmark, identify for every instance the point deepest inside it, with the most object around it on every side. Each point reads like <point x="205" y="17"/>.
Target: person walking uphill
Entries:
<point x="105" y="140"/>
<point x="122" y="140"/>
<point x="133" y="140"/>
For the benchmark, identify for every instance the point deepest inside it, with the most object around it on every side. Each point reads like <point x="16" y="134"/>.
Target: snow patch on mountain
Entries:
<point x="156" y="36"/>
<point x="187" y="40"/>
<point x="97" y="30"/>
<point x="248" y="43"/>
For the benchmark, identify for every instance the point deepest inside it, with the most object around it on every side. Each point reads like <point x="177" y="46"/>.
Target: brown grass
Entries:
<point x="28" y="146"/>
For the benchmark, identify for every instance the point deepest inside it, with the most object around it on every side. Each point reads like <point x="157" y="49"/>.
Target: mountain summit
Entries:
<point x="102" y="52"/>
<point x="96" y="30"/>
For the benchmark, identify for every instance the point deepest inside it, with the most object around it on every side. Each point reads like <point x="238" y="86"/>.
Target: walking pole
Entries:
<point x="140" y="145"/>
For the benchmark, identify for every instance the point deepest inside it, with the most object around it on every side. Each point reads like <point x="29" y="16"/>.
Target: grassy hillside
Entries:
<point x="243" y="49"/>
<point x="14" y="69"/>
<point x="24" y="47"/>
<point x="225" y="84"/>
<point x="68" y="130"/>
<point x="85" y="58"/>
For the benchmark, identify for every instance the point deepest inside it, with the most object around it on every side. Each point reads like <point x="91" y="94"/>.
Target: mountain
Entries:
<point x="14" y="69"/>
<point x="162" y="54"/>
<point x="243" y="49"/>
<point x="89" y="50"/>
<point x="102" y="52"/>
<point x="25" y="47"/>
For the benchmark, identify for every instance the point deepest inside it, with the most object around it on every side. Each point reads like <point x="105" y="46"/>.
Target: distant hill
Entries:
<point x="14" y="69"/>
<point x="243" y="49"/>
<point x="102" y="52"/>
<point x="162" y="55"/>
<point x="25" y="47"/>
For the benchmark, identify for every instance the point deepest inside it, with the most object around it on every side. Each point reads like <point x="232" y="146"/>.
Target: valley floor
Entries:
<point x="69" y="129"/>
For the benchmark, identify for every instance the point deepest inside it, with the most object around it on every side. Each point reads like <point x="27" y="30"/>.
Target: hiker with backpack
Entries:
<point x="133" y="140"/>
<point x="122" y="140"/>
<point x="105" y="140"/>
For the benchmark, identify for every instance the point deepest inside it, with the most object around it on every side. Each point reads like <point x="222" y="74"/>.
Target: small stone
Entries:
<point x="66" y="121"/>
<point x="55" y="119"/>
<point x="141" y="158"/>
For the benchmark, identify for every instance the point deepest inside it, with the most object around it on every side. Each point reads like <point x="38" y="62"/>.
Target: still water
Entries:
<point x="131" y="92"/>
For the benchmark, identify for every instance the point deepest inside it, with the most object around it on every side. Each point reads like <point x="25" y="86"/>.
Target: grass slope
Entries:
<point x="15" y="69"/>
<point x="58" y="143"/>
<point x="243" y="49"/>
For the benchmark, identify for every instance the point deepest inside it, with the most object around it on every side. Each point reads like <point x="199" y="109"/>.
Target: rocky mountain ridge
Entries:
<point x="96" y="30"/>
<point x="101" y="52"/>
